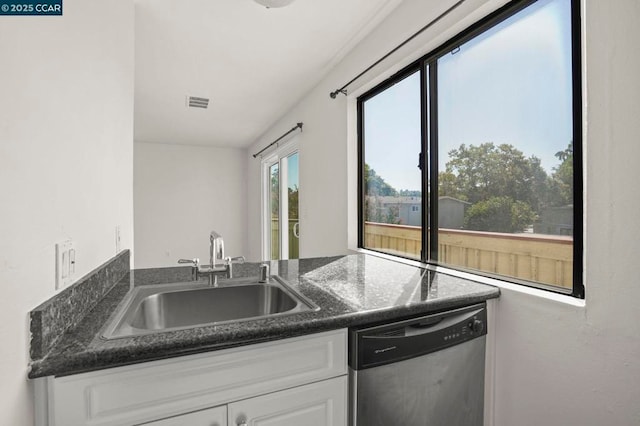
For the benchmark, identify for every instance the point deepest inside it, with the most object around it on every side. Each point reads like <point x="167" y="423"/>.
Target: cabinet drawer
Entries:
<point x="211" y="417"/>
<point x="154" y="390"/>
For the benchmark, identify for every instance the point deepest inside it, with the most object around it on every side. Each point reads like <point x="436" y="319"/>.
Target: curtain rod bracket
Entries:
<point x="334" y="94"/>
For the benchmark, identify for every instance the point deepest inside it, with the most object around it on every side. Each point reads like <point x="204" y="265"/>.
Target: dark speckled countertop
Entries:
<point x="350" y="290"/>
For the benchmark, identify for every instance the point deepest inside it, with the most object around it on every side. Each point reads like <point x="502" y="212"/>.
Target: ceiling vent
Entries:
<point x="195" y="102"/>
<point x="274" y="3"/>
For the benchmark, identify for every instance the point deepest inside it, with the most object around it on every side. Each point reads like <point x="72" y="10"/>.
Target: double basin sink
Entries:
<point x="164" y="307"/>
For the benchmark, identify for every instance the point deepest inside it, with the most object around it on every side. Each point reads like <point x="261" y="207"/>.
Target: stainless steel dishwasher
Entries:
<point x="426" y="371"/>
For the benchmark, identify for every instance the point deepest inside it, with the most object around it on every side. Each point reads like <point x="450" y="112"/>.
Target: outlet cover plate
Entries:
<point x="65" y="263"/>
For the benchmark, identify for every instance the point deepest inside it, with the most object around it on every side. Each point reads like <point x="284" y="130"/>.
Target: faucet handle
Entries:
<point x="237" y="259"/>
<point x="229" y="261"/>
<point x="195" y="261"/>
<point x="263" y="276"/>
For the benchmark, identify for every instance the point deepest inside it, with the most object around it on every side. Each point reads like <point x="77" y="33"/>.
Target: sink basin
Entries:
<point x="152" y="309"/>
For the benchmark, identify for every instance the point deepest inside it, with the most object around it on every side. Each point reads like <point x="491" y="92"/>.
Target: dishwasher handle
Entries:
<point x="437" y="325"/>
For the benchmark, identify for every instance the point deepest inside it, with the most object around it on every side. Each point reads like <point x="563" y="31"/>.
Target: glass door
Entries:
<point x="282" y="227"/>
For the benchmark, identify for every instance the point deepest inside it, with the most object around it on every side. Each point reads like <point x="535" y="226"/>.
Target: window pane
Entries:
<point x="392" y="181"/>
<point x="274" y="202"/>
<point x="505" y="148"/>
<point x="292" y="190"/>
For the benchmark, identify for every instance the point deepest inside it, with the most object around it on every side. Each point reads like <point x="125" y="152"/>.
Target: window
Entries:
<point x="488" y="127"/>
<point x="391" y="121"/>
<point x="281" y="228"/>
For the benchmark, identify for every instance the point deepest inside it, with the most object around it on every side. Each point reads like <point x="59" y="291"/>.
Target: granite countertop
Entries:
<point x="350" y="290"/>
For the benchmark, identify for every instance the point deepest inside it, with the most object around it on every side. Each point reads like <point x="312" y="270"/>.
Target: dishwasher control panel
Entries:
<point x="383" y="344"/>
<point x="474" y="326"/>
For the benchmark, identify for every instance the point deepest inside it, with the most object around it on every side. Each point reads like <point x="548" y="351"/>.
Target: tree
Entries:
<point x="410" y="193"/>
<point x="376" y="187"/>
<point x="293" y="202"/>
<point x="505" y="187"/>
<point x="499" y="214"/>
<point x="275" y="192"/>
<point x="448" y="186"/>
<point x="376" y="211"/>
<point x="562" y="178"/>
<point x="375" y="184"/>
<point x="478" y="173"/>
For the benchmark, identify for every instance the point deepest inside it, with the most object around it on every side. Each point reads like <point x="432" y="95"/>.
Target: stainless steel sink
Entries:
<point x="152" y="309"/>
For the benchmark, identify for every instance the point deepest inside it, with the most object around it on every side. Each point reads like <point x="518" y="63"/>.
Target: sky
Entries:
<point x="510" y="85"/>
<point x="292" y="164"/>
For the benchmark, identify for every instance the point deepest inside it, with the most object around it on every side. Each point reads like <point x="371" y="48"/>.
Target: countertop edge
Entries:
<point x="89" y="361"/>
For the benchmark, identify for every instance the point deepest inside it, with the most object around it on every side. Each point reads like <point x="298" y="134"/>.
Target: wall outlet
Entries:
<point x="118" y="239"/>
<point x="65" y="263"/>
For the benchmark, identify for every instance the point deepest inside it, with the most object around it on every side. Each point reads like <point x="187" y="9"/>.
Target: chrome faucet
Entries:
<point x="216" y="249"/>
<point x="218" y="263"/>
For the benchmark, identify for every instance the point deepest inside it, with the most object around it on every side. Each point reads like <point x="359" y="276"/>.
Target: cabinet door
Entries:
<point x="318" y="404"/>
<point x="210" y="417"/>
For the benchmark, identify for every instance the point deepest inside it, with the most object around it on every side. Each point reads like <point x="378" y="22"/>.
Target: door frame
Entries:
<point x="276" y="156"/>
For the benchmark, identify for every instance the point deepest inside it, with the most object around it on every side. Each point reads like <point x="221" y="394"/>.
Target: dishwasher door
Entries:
<point x="427" y="371"/>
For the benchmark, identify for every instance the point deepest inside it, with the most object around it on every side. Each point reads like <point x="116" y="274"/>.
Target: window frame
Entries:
<point x="427" y="67"/>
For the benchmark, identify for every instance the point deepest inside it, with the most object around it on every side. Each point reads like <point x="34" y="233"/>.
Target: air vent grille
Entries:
<point x="196" y="102"/>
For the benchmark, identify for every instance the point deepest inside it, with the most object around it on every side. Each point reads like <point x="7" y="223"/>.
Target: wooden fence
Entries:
<point x="294" y="243"/>
<point x="541" y="258"/>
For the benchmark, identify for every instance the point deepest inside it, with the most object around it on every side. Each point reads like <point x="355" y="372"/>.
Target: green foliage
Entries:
<point x="376" y="186"/>
<point x="476" y="173"/>
<point x="507" y="189"/>
<point x="562" y="178"/>
<point x="293" y="202"/>
<point x="275" y="196"/>
<point x="410" y="193"/>
<point x="275" y="192"/>
<point x="448" y="186"/>
<point x="393" y="215"/>
<point x="499" y="214"/>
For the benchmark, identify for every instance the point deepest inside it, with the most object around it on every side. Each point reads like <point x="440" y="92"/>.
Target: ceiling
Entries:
<point x="253" y="63"/>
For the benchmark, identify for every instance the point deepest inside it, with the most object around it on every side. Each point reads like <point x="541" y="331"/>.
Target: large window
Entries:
<point x="487" y="128"/>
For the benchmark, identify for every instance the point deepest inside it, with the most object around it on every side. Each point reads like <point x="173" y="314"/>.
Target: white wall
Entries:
<point x="324" y="163"/>
<point x="555" y="363"/>
<point x="181" y="194"/>
<point x="66" y="162"/>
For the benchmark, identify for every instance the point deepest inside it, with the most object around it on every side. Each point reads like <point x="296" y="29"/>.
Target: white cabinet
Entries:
<point x="317" y="404"/>
<point x="211" y="417"/>
<point x="187" y="386"/>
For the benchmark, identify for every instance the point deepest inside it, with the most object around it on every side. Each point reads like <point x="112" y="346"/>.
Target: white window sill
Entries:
<point x="535" y="292"/>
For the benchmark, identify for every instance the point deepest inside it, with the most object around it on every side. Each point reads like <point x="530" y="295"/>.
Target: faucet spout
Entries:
<point x="216" y="250"/>
<point x="218" y="263"/>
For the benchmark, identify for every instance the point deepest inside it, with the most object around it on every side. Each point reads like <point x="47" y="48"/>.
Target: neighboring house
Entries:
<point x="555" y="221"/>
<point x="450" y="210"/>
<point x="409" y="208"/>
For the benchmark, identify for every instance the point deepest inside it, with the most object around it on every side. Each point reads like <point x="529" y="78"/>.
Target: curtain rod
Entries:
<point x="293" y="129"/>
<point x="439" y="17"/>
